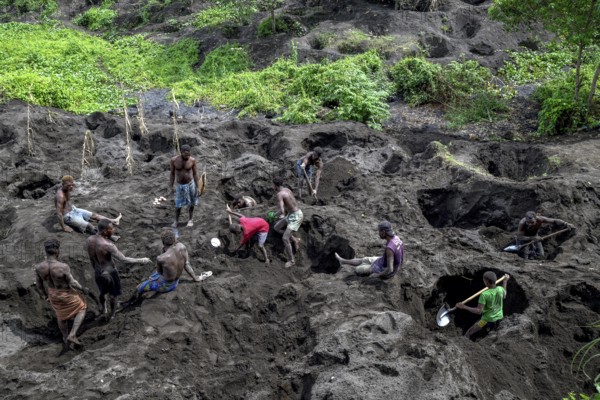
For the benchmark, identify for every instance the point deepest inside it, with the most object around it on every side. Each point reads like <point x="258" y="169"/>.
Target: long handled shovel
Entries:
<point x="309" y="184"/>
<point x="443" y="315"/>
<point x="514" y="248"/>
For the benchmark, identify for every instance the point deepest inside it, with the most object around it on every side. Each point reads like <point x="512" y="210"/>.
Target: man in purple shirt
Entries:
<point x="383" y="267"/>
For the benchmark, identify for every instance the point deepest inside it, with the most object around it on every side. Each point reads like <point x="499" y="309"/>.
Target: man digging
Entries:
<point x="528" y="231"/>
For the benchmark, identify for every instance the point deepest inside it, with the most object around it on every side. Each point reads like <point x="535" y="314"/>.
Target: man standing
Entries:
<point x="249" y="228"/>
<point x="304" y="169"/>
<point x="490" y="305"/>
<point x="528" y="231"/>
<point x="290" y="218"/>
<point x="383" y="267"/>
<point x="101" y="253"/>
<point x="78" y="218"/>
<point x="169" y="267"/>
<point x="184" y="175"/>
<point x="54" y="280"/>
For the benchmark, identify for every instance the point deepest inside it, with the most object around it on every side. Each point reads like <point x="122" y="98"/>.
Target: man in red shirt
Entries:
<point x="249" y="228"/>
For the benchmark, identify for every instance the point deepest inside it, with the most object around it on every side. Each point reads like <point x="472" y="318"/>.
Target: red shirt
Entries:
<point x="252" y="226"/>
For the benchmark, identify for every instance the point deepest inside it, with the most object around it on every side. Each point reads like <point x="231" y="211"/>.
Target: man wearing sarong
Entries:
<point x="250" y="228"/>
<point x="383" y="267"/>
<point x="169" y="267"/>
<point x="101" y="252"/>
<point x="184" y="175"/>
<point x="54" y="280"/>
<point x="71" y="216"/>
<point x="304" y="170"/>
<point x="290" y="218"/>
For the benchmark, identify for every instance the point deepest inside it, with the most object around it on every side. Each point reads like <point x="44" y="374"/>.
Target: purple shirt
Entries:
<point x="397" y="247"/>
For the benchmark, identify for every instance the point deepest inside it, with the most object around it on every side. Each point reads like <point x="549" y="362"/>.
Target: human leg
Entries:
<point x="355" y="262"/>
<point x="288" y="248"/>
<point x="280" y="226"/>
<point x="177" y="213"/>
<point x="262" y="238"/>
<point x="477" y="326"/>
<point x="190" y="222"/>
<point x="64" y="329"/>
<point x="76" y="324"/>
<point x="538" y="250"/>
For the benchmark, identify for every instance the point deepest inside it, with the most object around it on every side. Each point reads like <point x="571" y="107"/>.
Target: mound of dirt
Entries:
<point x="315" y="331"/>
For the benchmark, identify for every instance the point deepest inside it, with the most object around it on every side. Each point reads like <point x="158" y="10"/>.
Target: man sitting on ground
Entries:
<point x="383" y="267"/>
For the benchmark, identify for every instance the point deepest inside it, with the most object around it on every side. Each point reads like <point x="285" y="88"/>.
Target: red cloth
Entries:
<point x="252" y="226"/>
<point x="67" y="303"/>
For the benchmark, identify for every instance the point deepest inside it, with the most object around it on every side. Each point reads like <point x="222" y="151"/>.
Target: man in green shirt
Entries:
<point x="490" y="305"/>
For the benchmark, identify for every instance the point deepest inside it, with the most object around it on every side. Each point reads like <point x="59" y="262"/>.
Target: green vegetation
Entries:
<point x="270" y="6"/>
<point x="527" y="66"/>
<point x="225" y="60"/>
<point x="463" y="87"/>
<point x="150" y="7"/>
<point x="223" y="12"/>
<point x="97" y="18"/>
<point x="45" y="7"/>
<point x="67" y="69"/>
<point x="585" y="357"/>
<point x="575" y="23"/>
<point x="265" y="28"/>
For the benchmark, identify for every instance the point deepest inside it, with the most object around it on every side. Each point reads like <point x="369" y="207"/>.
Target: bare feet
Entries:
<point x="73" y="339"/>
<point x="190" y="223"/>
<point x="114" y="238"/>
<point x="117" y="220"/>
<point x="174" y="224"/>
<point x="290" y="264"/>
<point x="337" y="256"/>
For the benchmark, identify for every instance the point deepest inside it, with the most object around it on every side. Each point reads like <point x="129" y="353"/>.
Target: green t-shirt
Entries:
<point x="492" y="304"/>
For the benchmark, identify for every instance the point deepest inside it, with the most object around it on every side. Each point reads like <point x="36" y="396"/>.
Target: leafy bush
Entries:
<point x="415" y="79"/>
<point x="218" y="14"/>
<point x="97" y="18"/>
<point x="461" y="80"/>
<point x="151" y="7"/>
<point x="265" y="28"/>
<point x="533" y="66"/>
<point x="482" y="106"/>
<point x="44" y="7"/>
<point x="224" y="60"/>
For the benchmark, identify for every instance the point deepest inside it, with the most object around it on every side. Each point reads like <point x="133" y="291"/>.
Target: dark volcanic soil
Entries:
<point x="316" y="331"/>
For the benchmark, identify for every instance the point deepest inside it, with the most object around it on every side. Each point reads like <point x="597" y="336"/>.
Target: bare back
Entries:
<point x="43" y="273"/>
<point x="60" y="275"/>
<point x="183" y="170"/>
<point x="170" y="264"/>
<point x="286" y="200"/>
<point x="100" y="252"/>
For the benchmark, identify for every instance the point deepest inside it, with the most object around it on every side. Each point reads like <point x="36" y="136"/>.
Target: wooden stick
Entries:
<point x="481" y="291"/>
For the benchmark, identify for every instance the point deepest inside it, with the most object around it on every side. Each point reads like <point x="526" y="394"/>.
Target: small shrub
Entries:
<point x="265" y="28"/>
<point x="533" y="66"/>
<point x="354" y="42"/>
<point x="559" y="113"/>
<point x="219" y="14"/>
<point x="97" y="19"/>
<point x="224" y="60"/>
<point x="301" y="111"/>
<point x="415" y="79"/>
<point x="45" y="7"/>
<point x="482" y="106"/>
<point x="322" y="40"/>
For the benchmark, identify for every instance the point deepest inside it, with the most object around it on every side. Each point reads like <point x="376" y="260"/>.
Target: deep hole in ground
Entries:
<point x="479" y="204"/>
<point x="454" y="289"/>
<point x="517" y="163"/>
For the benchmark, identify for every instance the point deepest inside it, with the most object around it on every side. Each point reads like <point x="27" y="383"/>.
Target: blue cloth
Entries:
<point x="157" y="283"/>
<point x="186" y="195"/>
<point x="78" y="218"/>
<point x="308" y="169"/>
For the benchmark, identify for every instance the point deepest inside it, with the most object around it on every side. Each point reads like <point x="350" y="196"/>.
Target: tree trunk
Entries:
<point x="593" y="87"/>
<point x="578" y="71"/>
<point x="273" y="24"/>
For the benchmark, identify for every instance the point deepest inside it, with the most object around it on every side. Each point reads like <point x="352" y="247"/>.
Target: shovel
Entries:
<point x="309" y="184"/>
<point x="443" y="315"/>
<point x="515" y="248"/>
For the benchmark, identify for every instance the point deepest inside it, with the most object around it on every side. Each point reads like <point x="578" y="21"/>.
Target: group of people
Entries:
<point x="66" y="295"/>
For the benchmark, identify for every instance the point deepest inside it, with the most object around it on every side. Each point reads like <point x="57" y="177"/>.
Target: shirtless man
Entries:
<point x="101" y="253"/>
<point x="305" y="164"/>
<point x="187" y="189"/>
<point x="54" y="280"/>
<point x="78" y="218"/>
<point x="528" y="231"/>
<point x="290" y="218"/>
<point x="169" y="267"/>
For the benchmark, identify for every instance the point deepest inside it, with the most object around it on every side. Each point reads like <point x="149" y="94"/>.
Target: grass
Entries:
<point x="444" y="153"/>
<point x="219" y="14"/>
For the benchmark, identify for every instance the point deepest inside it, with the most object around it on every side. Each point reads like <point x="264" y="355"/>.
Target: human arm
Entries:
<point x="60" y="209"/>
<point x="280" y="205"/>
<point x="556" y="222"/>
<point x="39" y="283"/>
<point x="172" y="176"/>
<point x="504" y="282"/>
<point x="195" y="175"/>
<point x="112" y="249"/>
<point x="188" y="267"/>
<point x="389" y="265"/>
<point x="72" y="282"/>
<point x="233" y="212"/>
<point x="475" y="310"/>
<point x="317" y="179"/>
